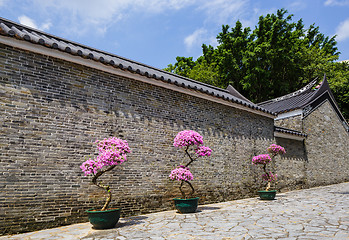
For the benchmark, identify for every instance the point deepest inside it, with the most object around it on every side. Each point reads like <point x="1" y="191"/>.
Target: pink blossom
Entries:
<point x="203" y="151"/>
<point x="90" y="167"/>
<point x="112" y="151"/>
<point x="261" y="159"/>
<point x="276" y="149"/>
<point x="181" y="173"/>
<point x="187" y="138"/>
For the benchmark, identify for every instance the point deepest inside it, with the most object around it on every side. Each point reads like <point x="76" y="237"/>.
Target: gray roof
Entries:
<point x="34" y="36"/>
<point x="237" y="94"/>
<point x="289" y="131"/>
<point x="307" y="99"/>
<point x="300" y="99"/>
<point x="292" y="101"/>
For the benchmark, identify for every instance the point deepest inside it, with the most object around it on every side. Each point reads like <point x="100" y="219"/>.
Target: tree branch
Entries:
<point x="191" y="159"/>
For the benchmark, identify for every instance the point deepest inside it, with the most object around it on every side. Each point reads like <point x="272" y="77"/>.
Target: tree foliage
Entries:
<point x="279" y="56"/>
<point x="182" y="67"/>
<point x="338" y="78"/>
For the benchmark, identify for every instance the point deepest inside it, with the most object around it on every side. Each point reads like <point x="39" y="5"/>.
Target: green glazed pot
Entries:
<point x="267" y="195"/>
<point x="103" y="219"/>
<point x="186" y="205"/>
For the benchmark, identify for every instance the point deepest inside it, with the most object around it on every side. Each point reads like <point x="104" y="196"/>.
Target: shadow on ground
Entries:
<point x="130" y="221"/>
<point x="205" y="208"/>
<point x="112" y="231"/>
<point x="340" y="192"/>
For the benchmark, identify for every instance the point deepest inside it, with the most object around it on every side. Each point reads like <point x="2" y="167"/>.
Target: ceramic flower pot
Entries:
<point x="186" y="205"/>
<point x="267" y="195"/>
<point x="103" y="219"/>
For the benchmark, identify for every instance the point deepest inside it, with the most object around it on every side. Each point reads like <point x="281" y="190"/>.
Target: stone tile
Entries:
<point x="248" y="219"/>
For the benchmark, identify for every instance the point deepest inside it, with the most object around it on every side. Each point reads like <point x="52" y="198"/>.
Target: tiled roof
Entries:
<point x="307" y="99"/>
<point x="289" y="131"/>
<point x="292" y="101"/>
<point x="236" y="94"/>
<point x="18" y="31"/>
<point x="299" y="99"/>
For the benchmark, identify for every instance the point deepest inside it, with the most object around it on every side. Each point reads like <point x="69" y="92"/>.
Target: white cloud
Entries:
<point x="2" y="2"/>
<point x="31" y="23"/>
<point x="217" y="11"/>
<point x="45" y="26"/>
<point x="297" y="6"/>
<point x="336" y="2"/>
<point x="342" y="31"/>
<point x="80" y="16"/>
<point x="195" y="39"/>
<point x="213" y="41"/>
<point x="223" y="10"/>
<point x="27" y="21"/>
<point x="161" y="5"/>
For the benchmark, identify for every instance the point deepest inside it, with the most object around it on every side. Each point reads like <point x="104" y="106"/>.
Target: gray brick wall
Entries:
<point x="326" y="147"/>
<point x="51" y="112"/>
<point x="291" y="167"/>
<point x="295" y="123"/>
<point x="322" y="158"/>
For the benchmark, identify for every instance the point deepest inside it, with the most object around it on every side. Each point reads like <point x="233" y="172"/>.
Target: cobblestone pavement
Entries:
<point x="317" y="213"/>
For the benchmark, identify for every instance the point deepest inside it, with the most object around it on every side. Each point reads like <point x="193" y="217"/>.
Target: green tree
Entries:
<point x="279" y="56"/>
<point x="205" y="72"/>
<point x="338" y="79"/>
<point x="182" y="67"/>
<point x="229" y="55"/>
<point x="272" y="59"/>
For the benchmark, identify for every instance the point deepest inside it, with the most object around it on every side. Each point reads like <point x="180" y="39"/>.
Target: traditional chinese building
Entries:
<point x="57" y="97"/>
<point x="313" y="112"/>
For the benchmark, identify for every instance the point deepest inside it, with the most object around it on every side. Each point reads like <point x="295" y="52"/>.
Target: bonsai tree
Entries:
<point x="112" y="151"/>
<point x="191" y="142"/>
<point x="264" y="159"/>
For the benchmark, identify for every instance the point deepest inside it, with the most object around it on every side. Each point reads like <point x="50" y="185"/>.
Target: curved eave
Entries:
<point x="289" y="134"/>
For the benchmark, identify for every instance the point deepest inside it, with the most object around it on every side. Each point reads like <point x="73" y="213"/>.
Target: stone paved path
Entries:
<point x="317" y="213"/>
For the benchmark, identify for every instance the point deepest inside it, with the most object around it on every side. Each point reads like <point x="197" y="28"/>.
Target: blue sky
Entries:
<point x="154" y="32"/>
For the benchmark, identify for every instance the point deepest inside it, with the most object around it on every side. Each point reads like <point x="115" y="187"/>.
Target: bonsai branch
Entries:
<point x="191" y="159"/>
<point x="105" y="187"/>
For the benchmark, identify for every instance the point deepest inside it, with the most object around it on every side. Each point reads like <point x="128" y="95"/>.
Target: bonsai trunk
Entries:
<point x="268" y="177"/>
<point x="191" y="186"/>
<point x="183" y="193"/>
<point x="105" y="187"/>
